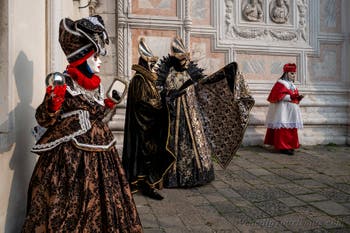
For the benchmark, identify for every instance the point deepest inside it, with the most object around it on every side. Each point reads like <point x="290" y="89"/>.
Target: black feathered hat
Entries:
<point x="78" y="38"/>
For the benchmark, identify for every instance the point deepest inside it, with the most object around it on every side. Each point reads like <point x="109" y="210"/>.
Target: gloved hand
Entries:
<point x="56" y="97"/>
<point x="109" y="103"/>
<point x="300" y="97"/>
<point x="294" y="96"/>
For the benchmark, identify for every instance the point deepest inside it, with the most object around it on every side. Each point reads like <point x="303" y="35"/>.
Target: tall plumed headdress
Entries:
<point x="78" y="38"/>
<point x="178" y="49"/>
<point x="145" y="52"/>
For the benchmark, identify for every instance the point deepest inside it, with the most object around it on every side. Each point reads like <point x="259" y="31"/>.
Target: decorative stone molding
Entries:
<point x="250" y="33"/>
<point x="287" y="22"/>
<point x="284" y="35"/>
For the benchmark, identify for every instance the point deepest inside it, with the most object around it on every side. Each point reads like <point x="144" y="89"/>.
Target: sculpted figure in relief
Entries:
<point x="253" y="11"/>
<point x="279" y="11"/>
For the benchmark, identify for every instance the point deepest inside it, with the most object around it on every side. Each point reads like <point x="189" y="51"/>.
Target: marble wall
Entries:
<point x="261" y="35"/>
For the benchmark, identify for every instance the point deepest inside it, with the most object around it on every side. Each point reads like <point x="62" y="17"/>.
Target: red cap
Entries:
<point x="290" y="67"/>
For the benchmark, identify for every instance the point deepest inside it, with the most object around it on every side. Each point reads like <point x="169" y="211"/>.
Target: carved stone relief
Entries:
<point x="252" y="11"/>
<point x="279" y="11"/>
<point x="92" y="6"/>
<point x="302" y="8"/>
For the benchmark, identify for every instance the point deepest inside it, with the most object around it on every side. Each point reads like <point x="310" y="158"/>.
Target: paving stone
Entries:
<point x="207" y="211"/>
<point x="308" y="183"/>
<point x="274" y="208"/>
<point x="259" y="172"/>
<point x="244" y="164"/>
<point x="170" y="222"/>
<point x="344" y="219"/>
<point x="342" y="187"/>
<point x="140" y="199"/>
<point x="242" y="199"/>
<point x="294" y="189"/>
<point x="220" y="224"/>
<point x="347" y="205"/>
<point x="340" y="230"/>
<point x="256" y="182"/>
<point x="225" y="207"/>
<point x="254" y="212"/>
<point x="267" y="164"/>
<point x="288" y="174"/>
<point x="206" y="189"/>
<point x="243" y="228"/>
<point x="218" y="184"/>
<point x="236" y="218"/>
<point x="153" y="230"/>
<point x="326" y="222"/>
<point x="258" y="195"/>
<point x="318" y="230"/>
<point x="229" y="193"/>
<point x="342" y="179"/>
<point x="301" y="169"/>
<point x="197" y="200"/>
<point x="232" y="167"/>
<point x="144" y="209"/>
<point x="270" y="225"/>
<point x="149" y="221"/>
<point x="331" y="207"/>
<point x="190" y="219"/>
<point x="308" y="211"/>
<point x="201" y="229"/>
<point x="215" y="197"/>
<point x="296" y="223"/>
<point x="322" y="178"/>
<point x="245" y="175"/>
<point x="241" y="202"/>
<point x="311" y="197"/>
<point x="335" y="195"/>
<point x="291" y="201"/>
<point x="176" y="229"/>
<point x="274" y="179"/>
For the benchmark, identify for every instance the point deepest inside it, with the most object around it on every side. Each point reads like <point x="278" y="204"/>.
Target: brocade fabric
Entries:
<point x="187" y="141"/>
<point x="79" y="185"/>
<point x="224" y="102"/>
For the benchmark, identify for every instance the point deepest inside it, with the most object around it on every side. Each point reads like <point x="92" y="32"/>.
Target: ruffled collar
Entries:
<point x="83" y="81"/>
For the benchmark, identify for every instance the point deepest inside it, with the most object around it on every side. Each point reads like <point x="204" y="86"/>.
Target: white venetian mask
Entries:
<point x="94" y="63"/>
<point x="291" y="76"/>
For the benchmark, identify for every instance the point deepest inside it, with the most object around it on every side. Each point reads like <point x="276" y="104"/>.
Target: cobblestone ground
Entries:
<point x="261" y="191"/>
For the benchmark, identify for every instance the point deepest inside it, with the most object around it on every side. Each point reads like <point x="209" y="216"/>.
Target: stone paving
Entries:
<point x="261" y="191"/>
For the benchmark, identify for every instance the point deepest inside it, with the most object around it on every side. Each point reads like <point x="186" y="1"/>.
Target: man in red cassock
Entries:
<point x="284" y="116"/>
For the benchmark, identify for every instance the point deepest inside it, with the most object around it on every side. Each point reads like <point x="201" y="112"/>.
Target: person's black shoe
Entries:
<point x="287" y="152"/>
<point x="152" y="193"/>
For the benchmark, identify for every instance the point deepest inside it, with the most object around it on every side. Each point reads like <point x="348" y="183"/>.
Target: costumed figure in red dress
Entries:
<point x="78" y="184"/>
<point x="284" y="117"/>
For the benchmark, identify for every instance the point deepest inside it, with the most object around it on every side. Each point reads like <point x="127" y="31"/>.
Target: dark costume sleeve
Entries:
<point x="225" y="102"/>
<point x="44" y="117"/>
<point x="146" y="105"/>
